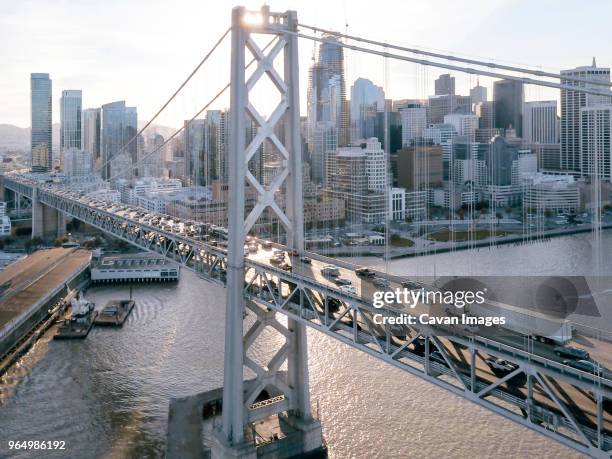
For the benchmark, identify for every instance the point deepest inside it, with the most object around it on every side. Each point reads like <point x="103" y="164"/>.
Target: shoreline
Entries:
<point x="467" y="245"/>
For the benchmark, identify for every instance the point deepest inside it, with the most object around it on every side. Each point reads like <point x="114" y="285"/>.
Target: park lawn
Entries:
<point x="398" y="241"/>
<point x="462" y="236"/>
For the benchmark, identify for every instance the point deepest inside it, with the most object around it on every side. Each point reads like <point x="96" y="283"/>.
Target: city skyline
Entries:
<point x="111" y="56"/>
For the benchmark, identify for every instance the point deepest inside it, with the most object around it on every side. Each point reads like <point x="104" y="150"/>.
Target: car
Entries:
<point x="571" y="352"/>
<point x="331" y="271"/>
<point x="411" y="285"/>
<point x="341" y="281"/>
<point x="500" y="365"/>
<point x="348" y="289"/>
<point x="381" y="282"/>
<point x="585" y="365"/>
<point x="306" y="260"/>
<point x="365" y="272"/>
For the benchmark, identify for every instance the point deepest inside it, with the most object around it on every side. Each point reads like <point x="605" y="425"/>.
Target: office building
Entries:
<point x="540" y="122"/>
<point x="550" y="193"/>
<point x="41" y="118"/>
<point x="70" y="120"/>
<point x="478" y="94"/>
<point x="118" y="126"/>
<point x="445" y="85"/>
<point x="464" y="124"/>
<point x="508" y="100"/>
<point x="367" y="100"/>
<point x="326" y="99"/>
<point x="419" y="167"/>
<point x="325" y="139"/>
<point x="77" y="163"/>
<point x="595" y="142"/>
<point x="414" y="122"/>
<point x="571" y="104"/>
<point x="91" y="133"/>
<point x="440" y="106"/>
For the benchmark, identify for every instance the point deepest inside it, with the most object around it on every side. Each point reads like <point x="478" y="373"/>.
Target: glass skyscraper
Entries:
<point x="70" y="121"/>
<point x="118" y="125"/>
<point x="327" y="91"/>
<point x="41" y="136"/>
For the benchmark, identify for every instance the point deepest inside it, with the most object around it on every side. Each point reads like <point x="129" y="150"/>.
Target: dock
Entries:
<point x="115" y="313"/>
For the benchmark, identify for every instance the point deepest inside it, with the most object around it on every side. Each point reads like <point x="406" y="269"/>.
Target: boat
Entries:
<point x="115" y="313"/>
<point x="81" y="319"/>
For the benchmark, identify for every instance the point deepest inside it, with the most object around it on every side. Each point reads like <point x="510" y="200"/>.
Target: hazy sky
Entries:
<point x="140" y="50"/>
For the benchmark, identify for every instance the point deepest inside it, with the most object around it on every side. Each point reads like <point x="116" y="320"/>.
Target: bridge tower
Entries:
<point x="279" y="393"/>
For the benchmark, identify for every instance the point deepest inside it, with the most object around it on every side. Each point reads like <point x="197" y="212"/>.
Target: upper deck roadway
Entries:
<point x="534" y="388"/>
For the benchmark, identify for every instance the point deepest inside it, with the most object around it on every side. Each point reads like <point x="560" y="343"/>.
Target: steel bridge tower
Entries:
<point x="292" y="400"/>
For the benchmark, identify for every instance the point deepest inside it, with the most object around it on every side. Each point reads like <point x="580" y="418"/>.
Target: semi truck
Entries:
<point x="540" y="327"/>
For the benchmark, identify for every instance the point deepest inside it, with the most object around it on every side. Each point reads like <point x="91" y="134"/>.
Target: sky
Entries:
<point x="141" y="50"/>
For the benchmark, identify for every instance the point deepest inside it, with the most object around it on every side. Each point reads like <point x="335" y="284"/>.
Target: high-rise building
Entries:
<point x="367" y="100"/>
<point x="70" y="121"/>
<point x="595" y="141"/>
<point x="540" y="122"/>
<point x="41" y="135"/>
<point x="217" y="144"/>
<point x="571" y="104"/>
<point x="445" y="85"/>
<point x="464" y="124"/>
<point x="196" y="161"/>
<point x="440" y="106"/>
<point x="77" y="163"/>
<point x="327" y="91"/>
<point x="91" y="133"/>
<point x="414" y="122"/>
<point x="478" y="94"/>
<point x="419" y="167"/>
<point x="508" y="97"/>
<point x="325" y="139"/>
<point x="118" y="126"/>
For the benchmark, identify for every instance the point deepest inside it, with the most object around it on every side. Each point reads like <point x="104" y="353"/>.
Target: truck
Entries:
<point x="540" y="327"/>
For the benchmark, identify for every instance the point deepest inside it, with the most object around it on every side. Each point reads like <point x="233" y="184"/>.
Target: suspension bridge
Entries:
<point x="536" y="390"/>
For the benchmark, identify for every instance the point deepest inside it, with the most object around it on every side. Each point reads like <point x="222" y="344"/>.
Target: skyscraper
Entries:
<point x="91" y="133"/>
<point x="41" y="136"/>
<point x="70" y="121"/>
<point x="118" y="125"/>
<point x="196" y="162"/>
<point x="478" y="94"/>
<point x="540" y="122"/>
<point x="414" y="122"/>
<point x="367" y="100"/>
<point x="571" y="104"/>
<point x="445" y="85"/>
<point x="327" y="91"/>
<point x="508" y="97"/>
<point x="595" y="141"/>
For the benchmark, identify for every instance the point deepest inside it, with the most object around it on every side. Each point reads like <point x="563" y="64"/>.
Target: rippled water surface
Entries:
<point x="107" y="396"/>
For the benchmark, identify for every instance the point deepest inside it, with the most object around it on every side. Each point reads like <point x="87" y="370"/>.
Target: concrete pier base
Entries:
<point x="221" y="450"/>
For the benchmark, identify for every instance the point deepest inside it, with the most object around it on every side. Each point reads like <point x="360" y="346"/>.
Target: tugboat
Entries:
<point x="81" y="320"/>
<point x="115" y="312"/>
